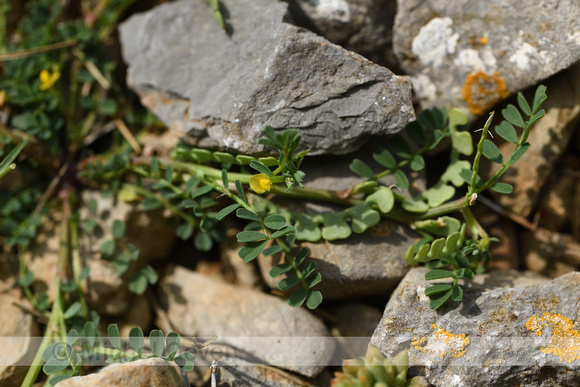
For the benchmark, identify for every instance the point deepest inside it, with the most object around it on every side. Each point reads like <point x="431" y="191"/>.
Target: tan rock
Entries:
<point x="146" y="372"/>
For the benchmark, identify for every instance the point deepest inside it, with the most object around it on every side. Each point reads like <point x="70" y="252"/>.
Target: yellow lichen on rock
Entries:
<point x="482" y="92"/>
<point x="418" y="344"/>
<point x="456" y="343"/>
<point x="564" y="342"/>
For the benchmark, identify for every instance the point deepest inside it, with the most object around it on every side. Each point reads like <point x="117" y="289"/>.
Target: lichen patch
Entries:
<point x="482" y="92"/>
<point x="564" y="342"/>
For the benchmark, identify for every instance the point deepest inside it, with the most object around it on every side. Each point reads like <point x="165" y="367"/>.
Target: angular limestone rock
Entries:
<point x="510" y="329"/>
<point x="203" y="81"/>
<point x="247" y="321"/>
<point x="472" y="54"/>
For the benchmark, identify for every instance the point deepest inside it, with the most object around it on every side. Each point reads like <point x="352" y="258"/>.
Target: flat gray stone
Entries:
<point x="249" y="321"/>
<point x="510" y="329"/>
<point x="202" y="81"/>
<point x="448" y="46"/>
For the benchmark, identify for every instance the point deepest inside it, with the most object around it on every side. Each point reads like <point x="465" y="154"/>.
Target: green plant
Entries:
<point x="68" y="118"/>
<point x="376" y="371"/>
<point x="470" y="257"/>
<point x="65" y="359"/>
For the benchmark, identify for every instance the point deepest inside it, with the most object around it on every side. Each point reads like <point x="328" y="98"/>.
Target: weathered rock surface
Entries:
<point x="471" y="54"/>
<point x="202" y="81"/>
<point x="249" y="321"/>
<point x="510" y="329"/>
<point x="145" y="372"/>
<point x="549" y="139"/>
<point x="362" y="26"/>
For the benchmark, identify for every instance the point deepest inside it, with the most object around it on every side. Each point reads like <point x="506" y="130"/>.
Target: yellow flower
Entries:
<point x="260" y="183"/>
<point x="48" y="79"/>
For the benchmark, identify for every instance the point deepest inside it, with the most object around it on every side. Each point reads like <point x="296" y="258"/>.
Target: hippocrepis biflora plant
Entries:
<point x="273" y="229"/>
<point x="62" y="99"/>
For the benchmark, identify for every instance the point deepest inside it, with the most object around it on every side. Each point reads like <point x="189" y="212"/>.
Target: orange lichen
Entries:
<point x="456" y="343"/>
<point x="483" y="40"/>
<point x="419" y="343"/>
<point x="482" y="92"/>
<point x="564" y="342"/>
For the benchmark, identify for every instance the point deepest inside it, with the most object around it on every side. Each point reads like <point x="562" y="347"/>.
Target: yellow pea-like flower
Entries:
<point x="47" y="79"/>
<point x="260" y="183"/>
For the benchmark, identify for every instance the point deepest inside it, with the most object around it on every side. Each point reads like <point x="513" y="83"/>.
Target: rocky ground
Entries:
<point x="302" y="64"/>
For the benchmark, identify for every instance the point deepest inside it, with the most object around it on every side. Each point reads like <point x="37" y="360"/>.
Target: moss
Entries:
<point x="482" y="92"/>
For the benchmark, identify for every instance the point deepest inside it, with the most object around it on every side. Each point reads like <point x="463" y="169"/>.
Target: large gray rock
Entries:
<point x="202" y="81"/>
<point x="452" y="49"/>
<point x="510" y="329"/>
<point x="246" y="320"/>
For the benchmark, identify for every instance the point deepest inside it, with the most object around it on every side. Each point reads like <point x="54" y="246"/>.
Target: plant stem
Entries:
<point x="77" y="267"/>
<point x="479" y="153"/>
<point x="37" y="50"/>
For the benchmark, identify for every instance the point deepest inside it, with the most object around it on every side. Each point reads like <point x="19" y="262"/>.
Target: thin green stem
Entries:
<point x="56" y="326"/>
<point x="37" y="50"/>
<point x="477" y="230"/>
<point x="473" y="185"/>
<point x="77" y="267"/>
